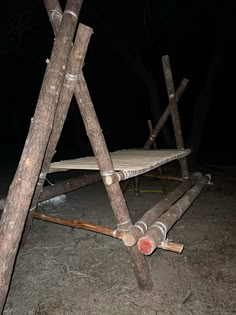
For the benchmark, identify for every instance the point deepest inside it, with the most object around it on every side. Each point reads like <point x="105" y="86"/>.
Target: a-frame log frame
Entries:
<point x="56" y="92"/>
<point x="63" y="77"/>
<point x="101" y="153"/>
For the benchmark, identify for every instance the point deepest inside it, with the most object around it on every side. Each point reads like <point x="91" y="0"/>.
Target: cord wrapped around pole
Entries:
<point x="165" y="115"/>
<point x="156" y="233"/>
<point x="139" y="228"/>
<point x="23" y="185"/>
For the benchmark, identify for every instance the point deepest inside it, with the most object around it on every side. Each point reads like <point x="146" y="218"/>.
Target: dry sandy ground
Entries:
<point x="68" y="271"/>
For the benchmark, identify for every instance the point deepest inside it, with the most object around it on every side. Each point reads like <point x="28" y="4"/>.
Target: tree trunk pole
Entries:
<point x="131" y="237"/>
<point x="174" y="113"/>
<point x="114" y="192"/>
<point x="23" y="185"/>
<point x="156" y="233"/>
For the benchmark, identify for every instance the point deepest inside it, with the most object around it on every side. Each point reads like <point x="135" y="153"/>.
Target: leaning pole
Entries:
<point x="26" y="177"/>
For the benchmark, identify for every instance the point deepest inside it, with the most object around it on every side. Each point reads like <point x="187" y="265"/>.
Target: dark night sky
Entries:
<point x="195" y="34"/>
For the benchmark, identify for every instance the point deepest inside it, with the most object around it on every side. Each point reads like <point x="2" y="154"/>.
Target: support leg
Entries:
<point x="105" y="164"/>
<point x="114" y="192"/>
<point x="74" y="66"/>
<point x="174" y="113"/>
<point x="25" y="180"/>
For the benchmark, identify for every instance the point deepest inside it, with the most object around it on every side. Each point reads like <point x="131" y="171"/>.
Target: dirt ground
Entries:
<point x="62" y="270"/>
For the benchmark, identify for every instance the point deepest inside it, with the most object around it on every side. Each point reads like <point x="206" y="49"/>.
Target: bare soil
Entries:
<point x="62" y="270"/>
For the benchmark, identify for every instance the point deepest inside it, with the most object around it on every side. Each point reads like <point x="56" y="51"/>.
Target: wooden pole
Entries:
<point x="114" y="191"/>
<point x="156" y="233"/>
<point x="64" y="187"/>
<point x="23" y="185"/>
<point x="174" y="112"/>
<point x="150" y="127"/>
<point x="78" y="224"/>
<point x="138" y="229"/>
<point x="165" y="115"/>
<point x="170" y="246"/>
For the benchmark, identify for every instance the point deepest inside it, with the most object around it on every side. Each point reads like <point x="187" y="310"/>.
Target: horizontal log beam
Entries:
<point x="64" y="187"/>
<point x="131" y="237"/>
<point x="158" y="230"/>
<point x="25" y="180"/>
<point x="165" y="115"/>
<point x="166" y="177"/>
<point x="170" y="246"/>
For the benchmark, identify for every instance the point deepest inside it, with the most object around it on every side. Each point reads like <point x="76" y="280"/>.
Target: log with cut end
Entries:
<point x="131" y="237"/>
<point x="25" y="180"/>
<point x="165" y="115"/>
<point x="158" y="230"/>
<point x="170" y="246"/>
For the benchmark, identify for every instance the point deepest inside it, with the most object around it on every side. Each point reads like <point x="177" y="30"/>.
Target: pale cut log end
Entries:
<point x="129" y="240"/>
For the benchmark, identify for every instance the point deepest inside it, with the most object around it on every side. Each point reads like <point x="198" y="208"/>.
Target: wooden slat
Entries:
<point x="124" y="160"/>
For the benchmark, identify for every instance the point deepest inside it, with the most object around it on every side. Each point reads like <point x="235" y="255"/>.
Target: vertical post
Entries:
<point x="174" y="113"/>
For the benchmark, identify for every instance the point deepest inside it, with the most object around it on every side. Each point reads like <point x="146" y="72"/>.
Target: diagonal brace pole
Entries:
<point x="114" y="191"/>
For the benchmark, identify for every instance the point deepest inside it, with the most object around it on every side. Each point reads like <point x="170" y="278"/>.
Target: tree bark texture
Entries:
<point x="74" y="67"/>
<point x="131" y="237"/>
<point x="26" y="177"/>
<point x="156" y="233"/>
<point x="114" y="192"/>
<point x="174" y="112"/>
<point x="165" y="115"/>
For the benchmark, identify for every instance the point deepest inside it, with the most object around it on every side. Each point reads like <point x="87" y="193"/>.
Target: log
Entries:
<point x="64" y="187"/>
<point x="131" y="237"/>
<point x="25" y="179"/>
<point x="167" y="177"/>
<point x="156" y="233"/>
<point x="114" y="192"/>
<point x="152" y="138"/>
<point x="165" y="115"/>
<point x="74" y="66"/>
<point x="170" y="246"/>
<point x="174" y="113"/>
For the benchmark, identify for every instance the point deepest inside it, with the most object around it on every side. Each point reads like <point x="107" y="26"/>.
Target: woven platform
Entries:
<point x="132" y="160"/>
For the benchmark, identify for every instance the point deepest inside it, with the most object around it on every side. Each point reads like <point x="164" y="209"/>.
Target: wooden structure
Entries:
<point x="63" y="77"/>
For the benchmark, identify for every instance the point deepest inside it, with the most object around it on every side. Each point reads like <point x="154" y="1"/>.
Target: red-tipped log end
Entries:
<point x="146" y="245"/>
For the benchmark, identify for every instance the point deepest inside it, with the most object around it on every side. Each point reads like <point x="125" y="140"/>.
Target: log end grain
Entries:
<point x="146" y="245"/>
<point x="129" y="239"/>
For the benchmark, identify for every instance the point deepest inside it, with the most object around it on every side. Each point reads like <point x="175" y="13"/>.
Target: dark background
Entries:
<point x="129" y="39"/>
